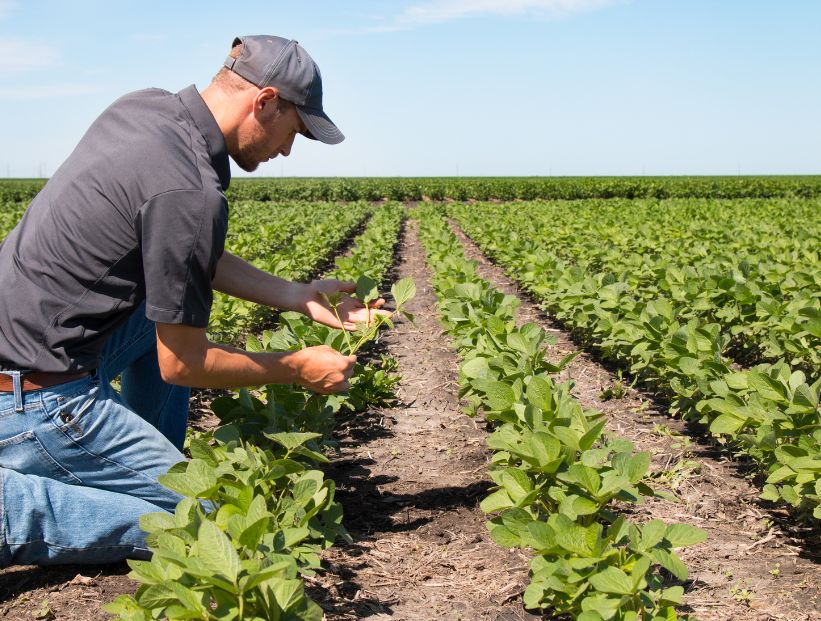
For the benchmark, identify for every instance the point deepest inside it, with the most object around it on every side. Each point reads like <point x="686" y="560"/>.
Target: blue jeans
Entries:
<point x="79" y="464"/>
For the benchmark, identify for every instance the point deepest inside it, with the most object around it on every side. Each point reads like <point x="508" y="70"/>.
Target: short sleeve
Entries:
<point x="181" y="236"/>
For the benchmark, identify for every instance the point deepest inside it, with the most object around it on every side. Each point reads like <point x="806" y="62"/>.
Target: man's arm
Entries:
<point x="187" y="358"/>
<point x="238" y="278"/>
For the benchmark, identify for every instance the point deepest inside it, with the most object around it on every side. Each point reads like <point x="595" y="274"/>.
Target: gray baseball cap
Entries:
<point x="273" y="61"/>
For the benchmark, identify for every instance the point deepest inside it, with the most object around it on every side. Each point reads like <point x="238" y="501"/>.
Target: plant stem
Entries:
<point x="342" y="327"/>
<point x="380" y="319"/>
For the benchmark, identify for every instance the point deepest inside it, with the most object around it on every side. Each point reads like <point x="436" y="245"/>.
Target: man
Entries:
<point x="110" y="272"/>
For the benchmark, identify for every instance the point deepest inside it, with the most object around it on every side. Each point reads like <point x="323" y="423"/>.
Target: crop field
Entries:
<point x="595" y="399"/>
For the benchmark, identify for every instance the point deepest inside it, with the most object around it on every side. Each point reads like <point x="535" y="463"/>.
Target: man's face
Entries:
<point x="267" y="134"/>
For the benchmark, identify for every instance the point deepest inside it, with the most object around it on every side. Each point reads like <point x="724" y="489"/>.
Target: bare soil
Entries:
<point x="757" y="562"/>
<point x="410" y="479"/>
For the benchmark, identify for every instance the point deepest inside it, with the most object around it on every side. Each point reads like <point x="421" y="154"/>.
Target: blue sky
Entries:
<point x="454" y="87"/>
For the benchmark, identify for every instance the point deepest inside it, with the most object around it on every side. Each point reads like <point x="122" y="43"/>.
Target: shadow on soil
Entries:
<point x="18" y="580"/>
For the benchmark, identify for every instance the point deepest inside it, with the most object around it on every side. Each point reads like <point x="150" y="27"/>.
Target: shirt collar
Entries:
<point x="209" y="129"/>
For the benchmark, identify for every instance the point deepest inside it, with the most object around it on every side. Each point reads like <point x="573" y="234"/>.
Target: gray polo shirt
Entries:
<point x="136" y="213"/>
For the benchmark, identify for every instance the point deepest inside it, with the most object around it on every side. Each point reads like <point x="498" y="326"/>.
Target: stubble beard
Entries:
<point x="250" y="152"/>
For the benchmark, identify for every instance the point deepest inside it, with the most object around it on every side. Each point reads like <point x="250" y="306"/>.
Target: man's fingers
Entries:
<point x="331" y="286"/>
<point x="347" y="286"/>
<point x="377" y="304"/>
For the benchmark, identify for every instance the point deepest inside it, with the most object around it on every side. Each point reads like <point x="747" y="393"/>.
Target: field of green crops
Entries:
<point x="703" y="291"/>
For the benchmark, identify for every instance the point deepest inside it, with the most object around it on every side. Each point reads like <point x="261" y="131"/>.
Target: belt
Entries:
<point x="36" y="380"/>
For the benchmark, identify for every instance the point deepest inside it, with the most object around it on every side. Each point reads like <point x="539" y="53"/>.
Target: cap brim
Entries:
<point x="320" y="127"/>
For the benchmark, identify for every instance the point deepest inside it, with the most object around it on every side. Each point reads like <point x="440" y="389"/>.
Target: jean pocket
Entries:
<point x="73" y="414"/>
<point x="25" y="454"/>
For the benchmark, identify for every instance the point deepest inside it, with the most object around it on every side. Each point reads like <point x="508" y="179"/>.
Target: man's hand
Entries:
<point x="351" y="311"/>
<point x="187" y="358"/>
<point x="323" y="369"/>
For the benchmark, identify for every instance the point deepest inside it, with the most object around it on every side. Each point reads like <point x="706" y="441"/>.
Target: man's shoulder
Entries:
<point x="150" y="131"/>
<point x="144" y="94"/>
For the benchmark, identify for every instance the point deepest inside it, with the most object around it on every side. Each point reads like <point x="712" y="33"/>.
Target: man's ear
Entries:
<point x="265" y="103"/>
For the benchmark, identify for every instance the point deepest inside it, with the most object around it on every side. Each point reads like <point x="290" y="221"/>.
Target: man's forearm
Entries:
<point x="187" y="358"/>
<point x="222" y="366"/>
<point x="238" y="278"/>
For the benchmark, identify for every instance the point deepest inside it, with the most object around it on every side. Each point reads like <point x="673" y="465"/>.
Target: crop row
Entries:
<point x="758" y="275"/>
<point x="259" y="229"/>
<point x="559" y="478"/>
<point x="486" y="188"/>
<point x="523" y="188"/>
<point x="769" y="412"/>
<point x="256" y="512"/>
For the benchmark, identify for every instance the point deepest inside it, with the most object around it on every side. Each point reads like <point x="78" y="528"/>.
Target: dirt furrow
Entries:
<point x="410" y="479"/>
<point x="749" y="568"/>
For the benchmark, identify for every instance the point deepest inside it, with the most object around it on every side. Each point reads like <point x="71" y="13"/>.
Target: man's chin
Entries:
<point x="247" y="166"/>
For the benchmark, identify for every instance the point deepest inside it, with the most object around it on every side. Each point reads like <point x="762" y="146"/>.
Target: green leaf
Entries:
<point x="612" y="580"/>
<point x="782" y="473"/>
<point x="497" y="501"/>
<point x="680" y="535"/>
<point x="652" y="533"/>
<point x="567" y="436"/>
<point x="216" y="551"/>
<point x="499" y="396"/>
<point x="804" y="396"/>
<point x="573" y="538"/>
<point x="157" y="522"/>
<point x="198" y="480"/>
<point x="252" y="343"/>
<point x="591" y="435"/>
<point x="638" y="466"/>
<point x="403" y="290"/>
<point x="200" y="449"/>
<point x="146" y="572"/>
<point x="475" y="367"/>
<point x="517" y="483"/>
<point x="304" y="489"/>
<point x="737" y="380"/>
<point x="770" y="492"/>
<point x="191" y="601"/>
<point x="592" y="615"/>
<point x="673" y="595"/>
<point x="671" y="562"/>
<point x="127" y="607"/>
<point x="726" y="424"/>
<point x="541" y="535"/>
<point x="288" y="593"/>
<point x="516" y="341"/>
<point x="290" y="441"/>
<point x="279" y="569"/>
<point x="252" y="535"/>
<point x="366" y="289"/>
<point x="504" y="536"/>
<point x="539" y="393"/>
<point x="789" y="494"/>
<point x="767" y="387"/>
<point x="587" y="478"/>
<point x="157" y="596"/>
<point x="689" y="366"/>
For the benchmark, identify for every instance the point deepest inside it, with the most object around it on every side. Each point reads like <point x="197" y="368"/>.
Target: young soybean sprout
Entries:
<point x="366" y="291"/>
